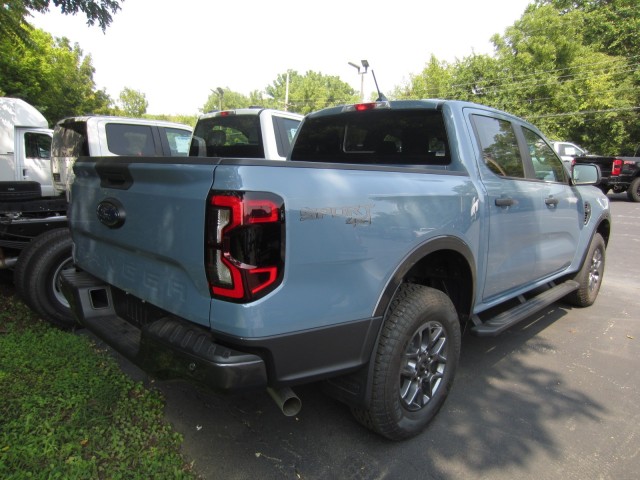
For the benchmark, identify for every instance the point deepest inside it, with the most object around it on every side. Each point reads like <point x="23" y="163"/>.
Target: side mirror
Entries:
<point x="587" y="174"/>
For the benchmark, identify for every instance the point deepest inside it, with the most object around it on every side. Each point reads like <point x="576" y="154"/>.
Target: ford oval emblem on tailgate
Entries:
<point x="110" y="212"/>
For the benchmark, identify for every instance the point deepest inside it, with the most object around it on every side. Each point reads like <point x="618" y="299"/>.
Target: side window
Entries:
<point x="499" y="146"/>
<point x="285" y="129"/>
<point x="178" y="140"/>
<point x="37" y="145"/>
<point x="123" y="139"/>
<point x="546" y="165"/>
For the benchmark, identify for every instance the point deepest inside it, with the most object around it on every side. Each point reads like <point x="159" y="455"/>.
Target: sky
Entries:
<point x="177" y="52"/>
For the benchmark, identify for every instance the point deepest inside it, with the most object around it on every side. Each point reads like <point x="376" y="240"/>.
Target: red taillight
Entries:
<point x="616" y="168"/>
<point x="362" y="107"/>
<point x="244" y="241"/>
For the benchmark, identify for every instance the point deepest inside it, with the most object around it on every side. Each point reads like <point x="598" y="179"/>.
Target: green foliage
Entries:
<point x="52" y="75"/>
<point x="611" y="26"/>
<point x="227" y="100"/>
<point x="306" y="93"/>
<point x="309" y="92"/>
<point x="68" y="411"/>
<point x="548" y="69"/>
<point x="134" y="103"/>
<point x="184" y="119"/>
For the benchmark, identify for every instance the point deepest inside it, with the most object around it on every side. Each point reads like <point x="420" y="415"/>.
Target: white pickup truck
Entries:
<point x="245" y="133"/>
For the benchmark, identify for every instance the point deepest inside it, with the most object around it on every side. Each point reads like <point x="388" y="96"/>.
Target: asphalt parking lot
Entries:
<point x="554" y="397"/>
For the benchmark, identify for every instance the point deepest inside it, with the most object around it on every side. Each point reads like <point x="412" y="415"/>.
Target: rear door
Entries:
<point x="557" y="207"/>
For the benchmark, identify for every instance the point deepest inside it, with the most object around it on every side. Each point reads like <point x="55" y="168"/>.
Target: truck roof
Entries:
<point x="18" y="113"/>
<point x="129" y="120"/>
<point x="251" y="111"/>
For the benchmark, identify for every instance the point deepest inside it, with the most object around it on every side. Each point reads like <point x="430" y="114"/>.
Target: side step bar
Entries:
<point x="501" y="322"/>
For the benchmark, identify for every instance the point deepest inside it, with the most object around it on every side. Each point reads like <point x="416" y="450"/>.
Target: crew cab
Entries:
<point x="391" y="228"/>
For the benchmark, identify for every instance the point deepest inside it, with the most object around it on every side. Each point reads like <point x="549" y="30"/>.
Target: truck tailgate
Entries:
<point x="138" y="224"/>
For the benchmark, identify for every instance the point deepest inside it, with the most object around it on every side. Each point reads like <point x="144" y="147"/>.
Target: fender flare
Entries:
<point x="416" y="255"/>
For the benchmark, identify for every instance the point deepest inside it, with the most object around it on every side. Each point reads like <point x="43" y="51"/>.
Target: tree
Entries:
<point x="309" y="92"/>
<point x="545" y="69"/>
<point x="609" y="25"/>
<point x="225" y="99"/>
<point x="52" y="75"/>
<point x="14" y="13"/>
<point x="134" y="103"/>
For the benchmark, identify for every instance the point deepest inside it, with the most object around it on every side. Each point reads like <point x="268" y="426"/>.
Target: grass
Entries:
<point x="68" y="412"/>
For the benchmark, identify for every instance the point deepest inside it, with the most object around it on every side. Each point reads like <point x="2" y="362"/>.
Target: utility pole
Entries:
<point x="365" y="67"/>
<point x="220" y="94"/>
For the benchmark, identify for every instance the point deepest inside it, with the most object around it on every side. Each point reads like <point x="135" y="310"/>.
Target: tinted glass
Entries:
<point x="230" y="136"/>
<point x="178" y="140"/>
<point x="499" y="146"/>
<point x="123" y="139"/>
<point x="285" y="129"/>
<point x="70" y="140"/>
<point x="546" y="165"/>
<point x="37" y="145"/>
<point x="405" y="137"/>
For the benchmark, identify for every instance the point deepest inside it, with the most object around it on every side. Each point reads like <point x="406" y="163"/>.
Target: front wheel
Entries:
<point x="633" y="192"/>
<point x="415" y="363"/>
<point x="590" y="275"/>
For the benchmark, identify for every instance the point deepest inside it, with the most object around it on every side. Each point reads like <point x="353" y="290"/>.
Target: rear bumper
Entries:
<point x="169" y="347"/>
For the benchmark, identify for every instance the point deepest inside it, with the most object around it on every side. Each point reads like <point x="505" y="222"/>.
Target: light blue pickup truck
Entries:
<point x="391" y="228"/>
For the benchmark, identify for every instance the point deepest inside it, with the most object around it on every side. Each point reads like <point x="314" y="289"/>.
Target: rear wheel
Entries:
<point x="37" y="277"/>
<point x="633" y="192"/>
<point x="590" y="275"/>
<point x="415" y="363"/>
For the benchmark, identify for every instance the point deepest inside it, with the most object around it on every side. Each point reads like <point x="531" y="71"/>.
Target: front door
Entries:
<point x="33" y="156"/>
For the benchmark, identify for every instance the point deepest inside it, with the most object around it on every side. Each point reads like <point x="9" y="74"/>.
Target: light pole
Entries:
<point x="365" y="67"/>
<point x="220" y="94"/>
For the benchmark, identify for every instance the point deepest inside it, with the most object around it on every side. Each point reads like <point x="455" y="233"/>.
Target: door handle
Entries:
<point x="551" y="202"/>
<point x="504" y="202"/>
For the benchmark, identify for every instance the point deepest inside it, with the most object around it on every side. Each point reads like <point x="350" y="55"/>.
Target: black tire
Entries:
<point x="39" y="278"/>
<point x="590" y="275"/>
<point x="34" y="248"/>
<point x="604" y="189"/>
<point x="415" y="363"/>
<point x="633" y="192"/>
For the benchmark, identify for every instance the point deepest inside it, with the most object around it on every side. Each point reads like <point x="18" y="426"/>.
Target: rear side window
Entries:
<point x="285" y="129"/>
<point x="499" y="144"/>
<point x="123" y="139"/>
<point x="546" y="165"/>
<point x="229" y="136"/>
<point x="37" y="145"/>
<point x="70" y="140"/>
<point x="178" y="141"/>
<point x="393" y="137"/>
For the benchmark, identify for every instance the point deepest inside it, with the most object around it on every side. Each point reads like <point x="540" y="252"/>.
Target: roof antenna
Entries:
<point x="381" y="97"/>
